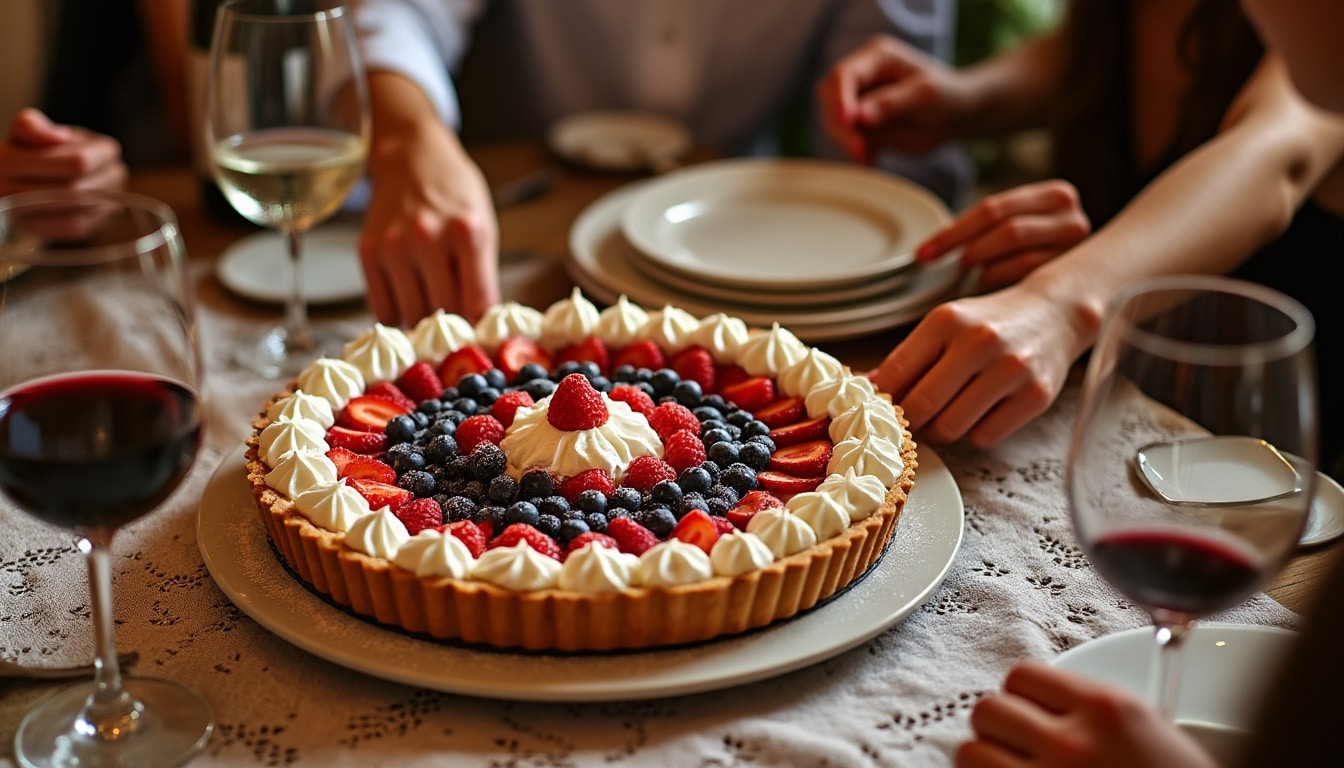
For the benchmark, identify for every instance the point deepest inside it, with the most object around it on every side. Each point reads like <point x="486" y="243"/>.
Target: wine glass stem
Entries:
<point x="1166" y="678"/>
<point x="110" y="713"/>
<point x="298" y="332"/>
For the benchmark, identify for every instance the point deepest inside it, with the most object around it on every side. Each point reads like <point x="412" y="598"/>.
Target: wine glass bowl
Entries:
<point x="1191" y="464"/>
<point x="287" y="129"/>
<point x="100" y="420"/>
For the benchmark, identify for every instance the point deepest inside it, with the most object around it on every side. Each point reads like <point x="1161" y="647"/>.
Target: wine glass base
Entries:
<point x="273" y="356"/>
<point x="175" y="725"/>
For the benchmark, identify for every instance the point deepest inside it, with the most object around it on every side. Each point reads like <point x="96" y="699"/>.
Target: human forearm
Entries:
<point x="1014" y="90"/>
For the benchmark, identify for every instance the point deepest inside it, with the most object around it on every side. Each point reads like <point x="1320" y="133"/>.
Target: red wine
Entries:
<point x="1175" y="571"/>
<point x="96" y="450"/>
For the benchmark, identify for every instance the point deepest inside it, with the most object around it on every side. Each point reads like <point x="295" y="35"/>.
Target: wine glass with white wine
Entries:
<point x="287" y="127"/>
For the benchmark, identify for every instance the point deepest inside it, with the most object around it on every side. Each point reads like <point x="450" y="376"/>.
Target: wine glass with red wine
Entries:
<point x="100" y="419"/>
<point x="1191" y="467"/>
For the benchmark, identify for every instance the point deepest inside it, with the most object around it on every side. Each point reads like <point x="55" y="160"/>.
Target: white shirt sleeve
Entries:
<point x="422" y="40"/>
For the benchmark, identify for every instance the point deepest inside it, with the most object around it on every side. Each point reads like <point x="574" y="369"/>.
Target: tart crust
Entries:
<point x="554" y="619"/>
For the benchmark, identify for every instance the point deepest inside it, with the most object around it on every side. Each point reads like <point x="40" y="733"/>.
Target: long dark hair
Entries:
<point x="1092" y="133"/>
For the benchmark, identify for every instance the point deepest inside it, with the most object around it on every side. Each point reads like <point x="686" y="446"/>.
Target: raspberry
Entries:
<point x="575" y="405"/>
<point x="421" y="382"/>
<point x="419" y="514"/>
<point x="534" y="538"/>
<point x="582" y="539"/>
<point x="631" y="537"/>
<point x="588" y="480"/>
<point x="508" y="404"/>
<point x="645" y="472"/>
<point x="683" y="449"/>
<point x="669" y="418"/>
<point x="476" y="430"/>
<point x="638" y="400"/>
<point x="695" y="364"/>
<point x="469" y="534"/>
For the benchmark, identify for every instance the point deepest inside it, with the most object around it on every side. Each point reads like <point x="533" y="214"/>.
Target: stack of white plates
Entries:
<point x="826" y="249"/>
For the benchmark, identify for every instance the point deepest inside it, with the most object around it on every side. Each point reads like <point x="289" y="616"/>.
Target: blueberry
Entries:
<point x="566" y="368"/>
<point x="717" y="506"/>
<point x="521" y="512"/>
<point x="494" y="515"/>
<point x="539" y="388"/>
<point x="643" y="375"/>
<point x="439" y="448"/>
<point x="667" y="492"/>
<point x="455" y="416"/>
<point x="531" y="371"/>
<point x="725" y="492"/>
<point x="405" y="457"/>
<point x="553" y="505"/>
<point x="487" y="397"/>
<point x="467" y="405"/>
<point x="664" y="381"/>
<point x="724" y="453"/>
<point x="705" y="413"/>
<point x="589" y="369"/>
<point x="495" y="378"/>
<point x="601" y="384"/>
<point x="591" y="501"/>
<point x="645" y="387"/>
<point x="418" y="482"/>
<point x="571" y="528"/>
<point x="754" y="428"/>
<point x="624" y="374"/>
<point x="740" y="477"/>
<point x="457" y="508"/>
<point x="536" y="483"/>
<point x="596" y="521"/>
<point x="487" y="462"/>
<point x="688" y="392"/>
<point x="471" y="384"/>
<point x="739" y="418"/>
<point x="695" y="479"/>
<point x="457" y="466"/>
<point x="474" y="490"/>
<point x="549" y="525"/>
<point x="764" y="440"/>
<point x="754" y="455"/>
<point x="715" y="401"/>
<point x="449" y="394"/>
<point x="625" y="497"/>
<point x="502" y="490"/>
<point x="429" y="407"/>
<point x="421" y="420"/>
<point x="714" y="437"/>
<point x="400" y="429"/>
<point x="691" y="502"/>
<point x="660" y="520"/>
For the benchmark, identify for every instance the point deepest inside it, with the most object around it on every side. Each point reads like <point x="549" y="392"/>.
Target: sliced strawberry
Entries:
<point x="508" y="404"/>
<point x="517" y="351"/>
<point x="631" y="537"/>
<point x="640" y="354"/>
<point x="378" y="494"/>
<point x="729" y="374"/>
<point x="369" y="413"/>
<point x="782" y="412"/>
<point x="419" y="514"/>
<point x="722" y="524"/>
<point x="351" y="464"/>
<point x="583" y="539"/>
<point x="534" y="538"/>
<point x="590" y="350"/>
<point x="420" y="382"/>
<point x="697" y="528"/>
<point x="801" y="431"/>
<point x="389" y="391"/>
<point x="786" y="485"/>
<point x="756" y="392"/>
<point x="468" y="359"/>
<point x="807" y="459"/>
<point x="468" y="533"/>
<point x="696" y="364"/>
<point x="357" y="440"/>
<point x="751" y="503"/>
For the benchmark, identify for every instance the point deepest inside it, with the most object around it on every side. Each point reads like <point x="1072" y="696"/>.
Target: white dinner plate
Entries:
<point x="619" y="140"/>
<point x="239" y="558"/>
<point x="257" y="266"/>
<point x="781" y="223"/>
<point x="1224" y="669"/>
<point x="1326" y="521"/>
<point x="600" y="263"/>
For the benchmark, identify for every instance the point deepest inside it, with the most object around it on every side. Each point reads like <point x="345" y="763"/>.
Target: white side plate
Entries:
<point x="257" y="266"/>
<point x="1217" y="471"/>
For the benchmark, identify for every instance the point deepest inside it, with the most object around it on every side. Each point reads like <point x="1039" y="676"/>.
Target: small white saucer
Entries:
<point x="1224" y="669"/>
<point x="619" y="140"/>
<point x="1326" y="521"/>
<point x="1217" y="471"/>
<point x="257" y="266"/>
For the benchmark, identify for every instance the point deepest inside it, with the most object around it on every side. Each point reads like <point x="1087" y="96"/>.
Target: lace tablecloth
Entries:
<point x="1018" y="588"/>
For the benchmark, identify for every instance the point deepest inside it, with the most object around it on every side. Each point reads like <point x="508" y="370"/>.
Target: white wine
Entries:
<point x="288" y="178"/>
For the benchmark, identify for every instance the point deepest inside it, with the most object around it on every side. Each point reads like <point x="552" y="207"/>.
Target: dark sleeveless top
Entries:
<point x="1305" y="261"/>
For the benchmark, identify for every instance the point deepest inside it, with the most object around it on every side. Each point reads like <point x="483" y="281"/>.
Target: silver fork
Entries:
<point x="16" y="670"/>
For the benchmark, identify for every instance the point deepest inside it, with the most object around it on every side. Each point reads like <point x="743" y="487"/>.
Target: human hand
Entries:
<point x="430" y="238"/>
<point x="980" y="368"/>
<point x="39" y="154"/>
<point x="1013" y="232"/>
<point x="888" y="94"/>
<point x="1053" y="718"/>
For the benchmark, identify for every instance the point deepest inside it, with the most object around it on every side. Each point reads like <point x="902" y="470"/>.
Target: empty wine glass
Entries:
<point x="287" y="127"/>
<point x="1191" y="465"/>
<point x="100" y="419"/>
